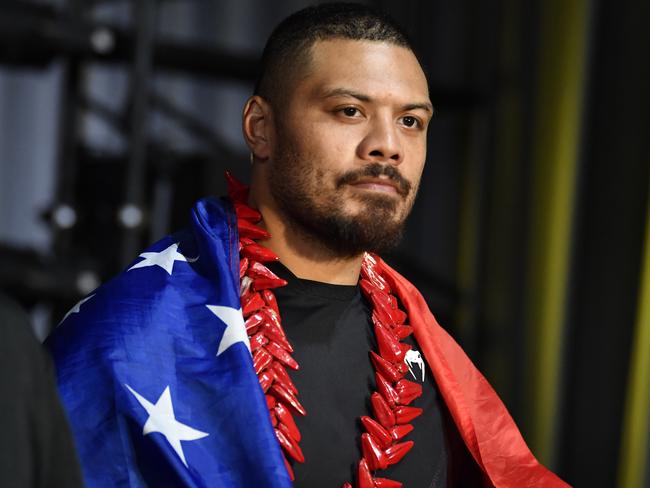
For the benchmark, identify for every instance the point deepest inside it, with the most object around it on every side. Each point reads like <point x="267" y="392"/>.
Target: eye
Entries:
<point x="410" y="121"/>
<point x="350" y="111"/>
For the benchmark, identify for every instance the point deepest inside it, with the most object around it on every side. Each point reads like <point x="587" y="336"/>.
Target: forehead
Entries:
<point x="377" y="69"/>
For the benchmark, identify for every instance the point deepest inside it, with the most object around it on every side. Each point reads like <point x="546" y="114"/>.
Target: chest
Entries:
<point x="332" y="339"/>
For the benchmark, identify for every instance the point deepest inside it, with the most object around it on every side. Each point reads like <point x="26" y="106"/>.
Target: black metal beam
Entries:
<point x="33" y="36"/>
<point x="64" y="214"/>
<point x="132" y="212"/>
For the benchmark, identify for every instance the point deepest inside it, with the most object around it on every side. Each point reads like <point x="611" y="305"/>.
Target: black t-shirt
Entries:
<point x="332" y="334"/>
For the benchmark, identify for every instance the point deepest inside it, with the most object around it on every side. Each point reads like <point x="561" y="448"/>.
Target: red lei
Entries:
<point x="381" y="444"/>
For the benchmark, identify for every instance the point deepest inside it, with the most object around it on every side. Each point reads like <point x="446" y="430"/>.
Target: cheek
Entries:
<point x="329" y="157"/>
<point x="412" y="174"/>
<point x="336" y="136"/>
<point x="418" y="173"/>
<point x="417" y="158"/>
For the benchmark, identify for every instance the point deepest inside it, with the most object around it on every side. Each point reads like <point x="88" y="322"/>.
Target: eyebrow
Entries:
<point x="345" y="92"/>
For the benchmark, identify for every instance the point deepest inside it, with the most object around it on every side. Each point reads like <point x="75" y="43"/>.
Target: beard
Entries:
<point x="298" y="185"/>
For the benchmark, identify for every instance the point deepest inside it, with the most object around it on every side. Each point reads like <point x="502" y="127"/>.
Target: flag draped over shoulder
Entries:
<point x="483" y="421"/>
<point x="155" y="371"/>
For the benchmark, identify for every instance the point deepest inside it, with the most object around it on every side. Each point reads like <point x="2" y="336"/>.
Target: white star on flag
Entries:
<point x="76" y="308"/>
<point x="161" y="419"/>
<point x="165" y="259"/>
<point x="235" y="329"/>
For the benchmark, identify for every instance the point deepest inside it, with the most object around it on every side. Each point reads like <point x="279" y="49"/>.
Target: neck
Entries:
<point x="298" y="254"/>
<point x="301" y="253"/>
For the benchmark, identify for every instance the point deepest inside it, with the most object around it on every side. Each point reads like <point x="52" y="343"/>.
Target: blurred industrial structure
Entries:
<point x="531" y="235"/>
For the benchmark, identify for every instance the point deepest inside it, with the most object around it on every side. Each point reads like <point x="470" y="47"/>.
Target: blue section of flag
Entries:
<point x="153" y="330"/>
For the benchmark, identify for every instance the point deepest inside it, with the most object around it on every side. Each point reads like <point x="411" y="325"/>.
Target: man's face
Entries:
<point x="350" y="145"/>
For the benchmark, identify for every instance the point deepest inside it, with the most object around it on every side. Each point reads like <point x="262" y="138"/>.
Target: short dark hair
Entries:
<point x="287" y="49"/>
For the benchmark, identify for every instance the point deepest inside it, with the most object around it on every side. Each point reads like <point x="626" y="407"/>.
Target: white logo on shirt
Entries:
<point x="413" y="357"/>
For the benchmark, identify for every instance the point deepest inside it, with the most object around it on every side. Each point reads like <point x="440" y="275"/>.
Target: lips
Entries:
<point x="377" y="184"/>
<point x="377" y="177"/>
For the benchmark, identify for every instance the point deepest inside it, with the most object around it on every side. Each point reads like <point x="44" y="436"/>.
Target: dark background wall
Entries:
<point x="529" y="237"/>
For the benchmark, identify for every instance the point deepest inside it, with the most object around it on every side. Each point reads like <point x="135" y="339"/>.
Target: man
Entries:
<point x="326" y="380"/>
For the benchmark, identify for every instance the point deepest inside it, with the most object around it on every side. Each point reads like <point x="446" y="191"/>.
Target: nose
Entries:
<point x="381" y="143"/>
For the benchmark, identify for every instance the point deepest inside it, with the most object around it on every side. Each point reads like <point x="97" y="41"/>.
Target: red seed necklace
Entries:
<point x="381" y="444"/>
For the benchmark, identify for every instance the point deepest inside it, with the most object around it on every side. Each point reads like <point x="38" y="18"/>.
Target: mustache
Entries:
<point x="375" y="170"/>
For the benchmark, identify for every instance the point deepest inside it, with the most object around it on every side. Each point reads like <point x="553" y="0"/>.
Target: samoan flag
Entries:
<point x="155" y="372"/>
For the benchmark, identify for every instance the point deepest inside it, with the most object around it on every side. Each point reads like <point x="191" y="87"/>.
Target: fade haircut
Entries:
<point x="288" y="49"/>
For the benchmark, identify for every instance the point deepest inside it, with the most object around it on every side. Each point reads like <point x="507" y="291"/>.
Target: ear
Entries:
<point x="257" y="127"/>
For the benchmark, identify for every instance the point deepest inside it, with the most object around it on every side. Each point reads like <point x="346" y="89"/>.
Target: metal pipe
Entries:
<point x="131" y="214"/>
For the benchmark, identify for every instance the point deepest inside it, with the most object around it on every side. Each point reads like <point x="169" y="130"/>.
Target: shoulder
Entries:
<point x="168" y="283"/>
<point x="158" y="305"/>
<point x="129" y="303"/>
